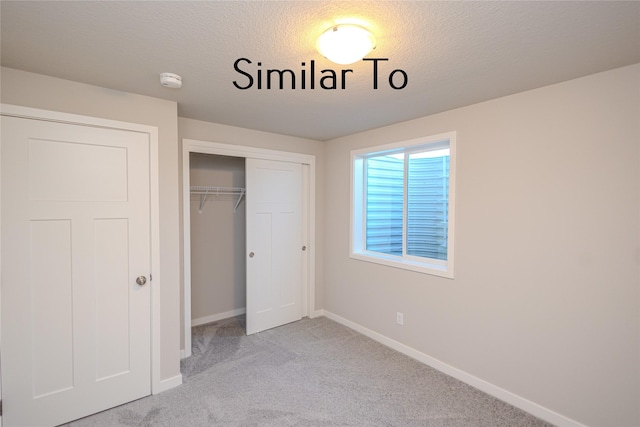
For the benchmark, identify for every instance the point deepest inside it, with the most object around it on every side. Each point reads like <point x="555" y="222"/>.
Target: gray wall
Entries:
<point x="218" y="266"/>
<point x="545" y="298"/>
<point x="38" y="91"/>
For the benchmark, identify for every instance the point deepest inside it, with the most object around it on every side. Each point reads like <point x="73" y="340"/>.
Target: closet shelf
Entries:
<point x="204" y="191"/>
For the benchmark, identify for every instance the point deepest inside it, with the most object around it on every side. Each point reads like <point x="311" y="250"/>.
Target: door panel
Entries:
<point x="112" y="293"/>
<point x="103" y="170"/>
<point x="75" y="235"/>
<point x="274" y="237"/>
<point x="51" y="300"/>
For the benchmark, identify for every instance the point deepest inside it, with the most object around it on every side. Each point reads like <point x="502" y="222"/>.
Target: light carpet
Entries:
<point x="314" y="372"/>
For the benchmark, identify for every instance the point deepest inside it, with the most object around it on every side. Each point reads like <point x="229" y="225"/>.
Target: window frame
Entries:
<point x="357" y="221"/>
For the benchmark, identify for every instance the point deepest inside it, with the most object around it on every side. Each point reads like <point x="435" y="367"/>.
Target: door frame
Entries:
<point x="154" y="208"/>
<point x="308" y="162"/>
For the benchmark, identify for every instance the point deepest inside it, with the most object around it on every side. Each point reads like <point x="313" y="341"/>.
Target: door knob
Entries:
<point x="304" y="248"/>
<point x="141" y="280"/>
<point x="251" y="254"/>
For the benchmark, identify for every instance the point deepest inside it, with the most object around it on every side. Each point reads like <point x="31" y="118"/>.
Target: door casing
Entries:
<point x="308" y="217"/>
<point x="54" y="116"/>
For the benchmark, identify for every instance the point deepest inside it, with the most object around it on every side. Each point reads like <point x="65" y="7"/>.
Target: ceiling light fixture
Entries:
<point x="345" y="43"/>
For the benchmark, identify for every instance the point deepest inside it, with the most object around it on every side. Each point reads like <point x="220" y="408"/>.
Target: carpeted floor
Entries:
<point x="308" y="373"/>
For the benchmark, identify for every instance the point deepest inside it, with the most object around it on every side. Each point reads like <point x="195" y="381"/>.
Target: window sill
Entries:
<point x="405" y="264"/>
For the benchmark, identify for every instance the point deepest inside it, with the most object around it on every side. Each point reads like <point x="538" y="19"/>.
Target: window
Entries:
<point x="402" y="204"/>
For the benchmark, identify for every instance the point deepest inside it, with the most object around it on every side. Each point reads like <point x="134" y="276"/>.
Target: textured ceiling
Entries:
<point x="454" y="53"/>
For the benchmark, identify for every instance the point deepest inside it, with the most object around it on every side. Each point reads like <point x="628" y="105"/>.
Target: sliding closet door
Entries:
<point x="274" y="243"/>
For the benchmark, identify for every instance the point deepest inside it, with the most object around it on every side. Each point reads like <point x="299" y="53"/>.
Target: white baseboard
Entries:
<point x="215" y="317"/>
<point x="491" y="389"/>
<point x="316" y="313"/>
<point x="168" y="383"/>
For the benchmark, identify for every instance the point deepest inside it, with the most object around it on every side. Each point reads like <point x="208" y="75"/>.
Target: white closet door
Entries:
<point x="274" y="243"/>
<point x="75" y="236"/>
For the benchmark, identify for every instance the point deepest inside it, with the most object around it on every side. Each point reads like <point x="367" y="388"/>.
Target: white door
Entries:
<point x="274" y="243"/>
<point x="75" y="236"/>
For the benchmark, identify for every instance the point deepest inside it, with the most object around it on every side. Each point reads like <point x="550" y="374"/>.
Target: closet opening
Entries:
<point x="248" y="236"/>
<point x="218" y="237"/>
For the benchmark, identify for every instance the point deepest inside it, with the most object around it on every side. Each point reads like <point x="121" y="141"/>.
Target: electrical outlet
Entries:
<point x="400" y="318"/>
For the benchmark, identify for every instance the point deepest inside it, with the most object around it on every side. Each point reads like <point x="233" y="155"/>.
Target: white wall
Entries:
<point x="545" y="300"/>
<point x="218" y="237"/>
<point x="213" y="132"/>
<point x="38" y="91"/>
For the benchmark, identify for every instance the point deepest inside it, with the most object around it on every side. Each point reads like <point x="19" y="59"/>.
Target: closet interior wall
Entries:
<point x="218" y="266"/>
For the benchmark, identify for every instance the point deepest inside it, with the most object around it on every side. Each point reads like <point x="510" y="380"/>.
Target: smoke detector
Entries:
<point x="171" y="80"/>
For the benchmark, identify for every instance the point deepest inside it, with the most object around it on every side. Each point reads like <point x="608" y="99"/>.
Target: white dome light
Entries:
<point x="345" y="43"/>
